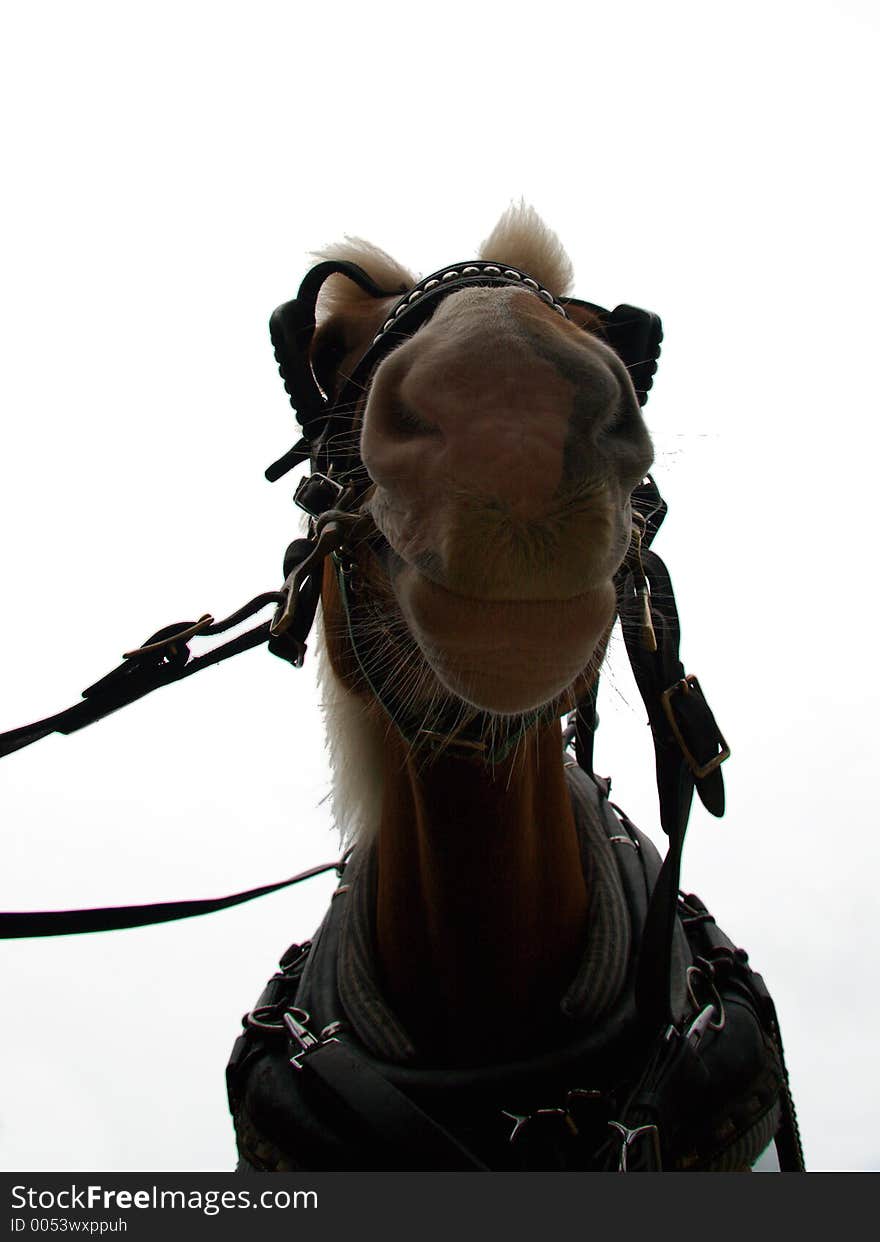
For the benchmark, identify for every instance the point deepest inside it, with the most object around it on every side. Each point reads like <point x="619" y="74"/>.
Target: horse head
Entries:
<point x="502" y="439"/>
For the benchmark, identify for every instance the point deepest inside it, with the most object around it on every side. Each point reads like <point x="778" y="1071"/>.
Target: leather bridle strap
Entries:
<point x="146" y="670"/>
<point x="114" y="918"/>
<point x="688" y="749"/>
<point x="291" y="327"/>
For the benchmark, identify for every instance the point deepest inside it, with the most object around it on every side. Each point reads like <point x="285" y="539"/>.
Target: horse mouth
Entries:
<point x="501" y="655"/>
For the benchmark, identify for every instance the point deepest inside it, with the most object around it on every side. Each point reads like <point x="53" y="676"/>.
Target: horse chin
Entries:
<point x="504" y="656"/>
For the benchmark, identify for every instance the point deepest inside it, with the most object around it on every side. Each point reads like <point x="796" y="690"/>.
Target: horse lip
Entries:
<point x="428" y="566"/>
<point x="395" y="565"/>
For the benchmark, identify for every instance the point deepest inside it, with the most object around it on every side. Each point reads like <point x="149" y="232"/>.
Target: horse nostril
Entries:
<point x="403" y="421"/>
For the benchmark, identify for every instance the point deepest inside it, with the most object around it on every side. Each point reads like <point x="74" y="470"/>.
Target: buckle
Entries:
<point x="317" y="493"/>
<point x="654" y="1161"/>
<point x="523" y="1121"/>
<point x="688" y="686"/>
<point x="296" y="1021"/>
<point x="333" y="529"/>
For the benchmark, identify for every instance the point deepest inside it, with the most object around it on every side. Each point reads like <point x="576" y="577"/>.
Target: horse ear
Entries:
<point x="339" y="294"/>
<point x="523" y="240"/>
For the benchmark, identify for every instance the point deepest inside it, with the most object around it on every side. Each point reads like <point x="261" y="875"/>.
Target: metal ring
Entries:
<point x="715" y="997"/>
<point x="256" y="1019"/>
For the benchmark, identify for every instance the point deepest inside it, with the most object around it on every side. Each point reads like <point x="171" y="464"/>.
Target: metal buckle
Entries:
<point x="684" y="686"/>
<point x="317" y="493"/>
<point x="714" y="1004"/>
<point x="295" y="1020"/>
<point x="329" y="540"/>
<point x="702" y="1023"/>
<point x="628" y="1137"/>
<point x="522" y="1120"/>
<point x="333" y="529"/>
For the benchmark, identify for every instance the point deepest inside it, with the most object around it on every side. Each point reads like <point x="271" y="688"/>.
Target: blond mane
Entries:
<point x="354" y="745"/>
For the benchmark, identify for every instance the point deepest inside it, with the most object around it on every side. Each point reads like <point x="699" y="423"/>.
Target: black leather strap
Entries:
<point x="291" y="327"/>
<point x="15" y="926"/>
<point x="585" y="725"/>
<point x="126" y="684"/>
<point x="657" y="673"/>
<point x="387" y="1115"/>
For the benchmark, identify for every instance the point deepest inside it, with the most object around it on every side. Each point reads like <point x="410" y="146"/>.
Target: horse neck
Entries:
<point x="481" y="899"/>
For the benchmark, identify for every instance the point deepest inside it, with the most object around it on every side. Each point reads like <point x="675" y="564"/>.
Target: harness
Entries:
<point x="689" y="747"/>
<point x="710" y="1092"/>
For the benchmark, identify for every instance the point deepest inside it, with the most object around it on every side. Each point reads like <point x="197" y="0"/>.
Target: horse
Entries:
<point x="486" y="919"/>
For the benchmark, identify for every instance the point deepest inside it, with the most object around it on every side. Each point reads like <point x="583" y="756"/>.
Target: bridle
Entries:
<point x="634" y="334"/>
<point x="689" y="747"/>
<point x="338" y="480"/>
<point x="688" y="744"/>
<point x="332" y="493"/>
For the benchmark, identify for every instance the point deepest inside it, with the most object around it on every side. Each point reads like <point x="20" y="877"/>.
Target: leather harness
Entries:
<point x="708" y="1093"/>
<point x="689" y="747"/>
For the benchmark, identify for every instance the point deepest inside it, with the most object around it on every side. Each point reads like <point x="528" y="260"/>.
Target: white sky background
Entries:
<point x="166" y="173"/>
